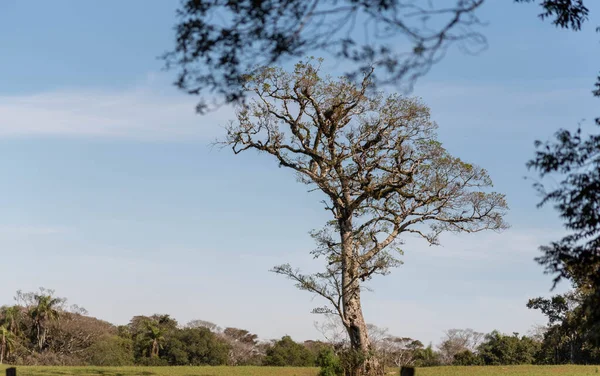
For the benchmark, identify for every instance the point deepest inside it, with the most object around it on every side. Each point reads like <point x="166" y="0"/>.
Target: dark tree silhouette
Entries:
<point x="575" y="157"/>
<point x="219" y="41"/>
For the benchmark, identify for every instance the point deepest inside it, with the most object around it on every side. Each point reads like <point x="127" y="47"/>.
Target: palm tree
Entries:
<point x="11" y="317"/>
<point x="44" y="311"/>
<point x="155" y="335"/>
<point x="7" y="342"/>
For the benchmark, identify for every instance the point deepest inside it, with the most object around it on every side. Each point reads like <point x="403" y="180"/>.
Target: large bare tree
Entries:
<point x="382" y="172"/>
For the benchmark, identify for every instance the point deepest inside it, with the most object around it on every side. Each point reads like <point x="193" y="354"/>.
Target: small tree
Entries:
<point x="382" y="172"/>
<point x="11" y="317"/>
<point x="46" y="309"/>
<point x="457" y="341"/>
<point x="286" y="352"/>
<point x="155" y="335"/>
<point x="467" y="358"/>
<point x="7" y="342"/>
<point x="400" y="351"/>
<point x="501" y="349"/>
<point x="244" y="348"/>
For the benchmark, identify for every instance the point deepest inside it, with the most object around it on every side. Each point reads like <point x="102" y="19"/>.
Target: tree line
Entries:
<point x="42" y="329"/>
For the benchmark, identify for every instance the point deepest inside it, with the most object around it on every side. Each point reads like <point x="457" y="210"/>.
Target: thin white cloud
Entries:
<point x="144" y="113"/>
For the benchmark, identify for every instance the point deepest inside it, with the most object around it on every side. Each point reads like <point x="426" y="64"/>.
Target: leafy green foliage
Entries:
<point x="110" y="350"/>
<point x="500" y="349"/>
<point x="574" y="159"/>
<point x="427" y="357"/>
<point x="467" y="358"/>
<point x="196" y="346"/>
<point x="286" y="352"/>
<point x="569" y="337"/>
<point x="329" y="362"/>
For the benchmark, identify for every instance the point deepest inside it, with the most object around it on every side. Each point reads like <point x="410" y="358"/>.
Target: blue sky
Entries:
<point x="112" y="196"/>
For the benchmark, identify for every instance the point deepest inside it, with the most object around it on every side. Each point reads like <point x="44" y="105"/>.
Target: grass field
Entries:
<point x="290" y="371"/>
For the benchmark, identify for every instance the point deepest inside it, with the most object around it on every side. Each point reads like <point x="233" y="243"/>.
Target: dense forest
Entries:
<point x="42" y="329"/>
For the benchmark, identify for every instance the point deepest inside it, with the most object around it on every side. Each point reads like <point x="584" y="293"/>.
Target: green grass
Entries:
<point x="511" y="371"/>
<point x="291" y="371"/>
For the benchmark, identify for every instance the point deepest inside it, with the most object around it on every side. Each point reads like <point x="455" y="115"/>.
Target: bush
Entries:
<point x="286" y="352"/>
<point x="329" y="362"/>
<point x="500" y="349"/>
<point x="427" y="357"/>
<point x="110" y="351"/>
<point x="467" y="358"/>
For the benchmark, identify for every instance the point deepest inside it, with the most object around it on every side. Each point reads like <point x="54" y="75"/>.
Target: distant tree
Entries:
<point x="329" y="362"/>
<point x="75" y="333"/>
<point x="149" y="334"/>
<point x="166" y="322"/>
<point x="467" y="358"/>
<point x="110" y="350"/>
<point x="457" y="341"/>
<point x="500" y="349"/>
<point x="381" y="170"/>
<point x="400" y="351"/>
<point x="204" y="324"/>
<point x="241" y="335"/>
<point x="11" y="317"/>
<point x="218" y="42"/>
<point x="428" y="357"/>
<point x="155" y="336"/>
<point x="286" y="352"/>
<point x="202" y="347"/>
<point x="244" y="347"/>
<point x="7" y="342"/>
<point x="46" y="308"/>
<point x="569" y="338"/>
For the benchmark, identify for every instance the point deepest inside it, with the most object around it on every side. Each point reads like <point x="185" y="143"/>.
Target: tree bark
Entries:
<point x="362" y="360"/>
<point x="40" y="336"/>
<point x="3" y="349"/>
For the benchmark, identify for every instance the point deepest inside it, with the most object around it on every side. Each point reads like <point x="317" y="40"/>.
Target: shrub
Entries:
<point x="329" y="362"/>
<point x="110" y="351"/>
<point x="467" y="358"/>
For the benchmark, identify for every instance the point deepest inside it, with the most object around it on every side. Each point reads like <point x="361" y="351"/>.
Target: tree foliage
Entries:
<point x="286" y="352"/>
<point x="218" y="42"/>
<point x="110" y="350"/>
<point x="378" y="164"/>
<point x="458" y="341"/>
<point x="575" y="159"/>
<point x="569" y="337"/>
<point x="501" y="349"/>
<point x="567" y="14"/>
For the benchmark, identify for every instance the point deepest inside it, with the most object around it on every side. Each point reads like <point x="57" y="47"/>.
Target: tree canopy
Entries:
<point x="379" y="166"/>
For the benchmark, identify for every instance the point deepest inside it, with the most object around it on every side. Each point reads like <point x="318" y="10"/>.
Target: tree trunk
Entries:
<point x="362" y="361"/>
<point x="3" y="348"/>
<point x="39" y="336"/>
